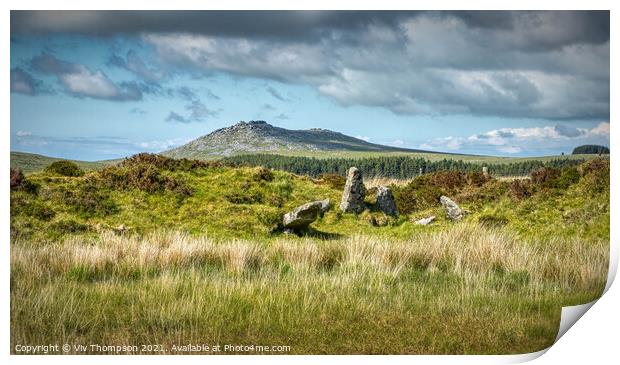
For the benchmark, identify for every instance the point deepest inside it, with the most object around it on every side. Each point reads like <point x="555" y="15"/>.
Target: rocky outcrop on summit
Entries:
<point x="354" y="192"/>
<point x="260" y="136"/>
<point x="385" y="201"/>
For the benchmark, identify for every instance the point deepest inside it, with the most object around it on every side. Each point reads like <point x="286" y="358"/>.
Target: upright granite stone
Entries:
<point x="485" y="171"/>
<point x="453" y="211"/>
<point x="354" y="191"/>
<point x="302" y="216"/>
<point x="385" y="201"/>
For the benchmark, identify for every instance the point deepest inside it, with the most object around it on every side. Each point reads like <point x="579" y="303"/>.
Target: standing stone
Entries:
<point x="485" y="171"/>
<point x="421" y="170"/>
<point x="354" y="191"/>
<point x="302" y="216"/>
<point x="453" y="211"/>
<point x="385" y="201"/>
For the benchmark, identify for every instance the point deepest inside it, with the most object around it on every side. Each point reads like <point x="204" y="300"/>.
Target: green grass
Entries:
<point x="209" y="265"/>
<point x="464" y="290"/>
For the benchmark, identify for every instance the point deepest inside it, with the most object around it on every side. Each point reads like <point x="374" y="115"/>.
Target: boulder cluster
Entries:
<point x="353" y="202"/>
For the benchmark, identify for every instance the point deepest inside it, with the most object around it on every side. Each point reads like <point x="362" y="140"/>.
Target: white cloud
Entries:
<point x="88" y="83"/>
<point x="364" y="138"/>
<point x="23" y="134"/>
<point x="397" y="142"/>
<point x="516" y="140"/>
<point x="161" y="145"/>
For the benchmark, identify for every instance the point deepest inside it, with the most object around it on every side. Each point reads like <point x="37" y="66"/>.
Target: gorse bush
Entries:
<point x="64" y="168"/>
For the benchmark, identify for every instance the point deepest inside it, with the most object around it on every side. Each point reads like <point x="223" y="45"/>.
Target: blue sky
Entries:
<point x="499" y="83"/>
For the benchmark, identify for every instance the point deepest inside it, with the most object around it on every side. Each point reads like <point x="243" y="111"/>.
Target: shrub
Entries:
<point x="144" y="177"/>
<point x="596" y="175"/>
<point x="37" y="210"/>
<point x="449" y="180"/>
<point x="263" y="174"/>
<point x="519" y="189"/>
<point x="476" y="178"/>
<point x="545" y="177"/>
<point x="334" y="181"/>
<point x="90" y="200"/>
<point x="598" y="166"/>
<point x="244" y="197"/>
<point x="166" y="163"/>
<point x="568" y="176"/>
<point x="19" y="182"/>
<point x="64" y="168"/>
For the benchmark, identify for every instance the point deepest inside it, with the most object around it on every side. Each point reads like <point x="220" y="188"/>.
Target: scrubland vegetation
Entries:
<point x="155" y="250"/>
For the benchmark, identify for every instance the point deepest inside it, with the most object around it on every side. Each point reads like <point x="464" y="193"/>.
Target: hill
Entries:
<point x="260" y="136"/>
<point x="31" y="162"/>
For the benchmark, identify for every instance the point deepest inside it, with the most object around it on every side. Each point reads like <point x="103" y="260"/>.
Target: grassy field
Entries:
<point x="170" y="253"/>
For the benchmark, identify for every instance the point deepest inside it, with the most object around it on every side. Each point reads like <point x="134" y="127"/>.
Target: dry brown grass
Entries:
<point x="468" y="250"/>
<point x="376" y="181"/>
<point x="466" y="289"/>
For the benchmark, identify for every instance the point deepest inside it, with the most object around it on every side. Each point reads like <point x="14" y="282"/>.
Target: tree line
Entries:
<point x="401" y="167"/>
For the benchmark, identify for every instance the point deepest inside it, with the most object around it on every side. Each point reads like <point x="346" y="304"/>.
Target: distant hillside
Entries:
<point x="30" y="162"/>
<point x="261" y="137"/>
<point x="591" y="149"/>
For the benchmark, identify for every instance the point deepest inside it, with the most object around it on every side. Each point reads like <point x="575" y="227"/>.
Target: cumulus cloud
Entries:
<point x="516" y="140"/>
<point x="363" y="138"/>
<point x="534" y="66"/>
<point x="80" y="81"/>
<point x="23" y="133"/>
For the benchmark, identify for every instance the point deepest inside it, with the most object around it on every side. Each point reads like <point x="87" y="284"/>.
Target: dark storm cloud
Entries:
<point x="580" y="26"/>
<point x="306" y="25"/>
<point x="516" y="64"/>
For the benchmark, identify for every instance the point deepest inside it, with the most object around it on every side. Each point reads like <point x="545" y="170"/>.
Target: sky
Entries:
<point x="94" y="85"/>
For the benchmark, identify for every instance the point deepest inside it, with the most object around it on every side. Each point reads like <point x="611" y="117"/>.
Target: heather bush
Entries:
<point x="20" y="182"/>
